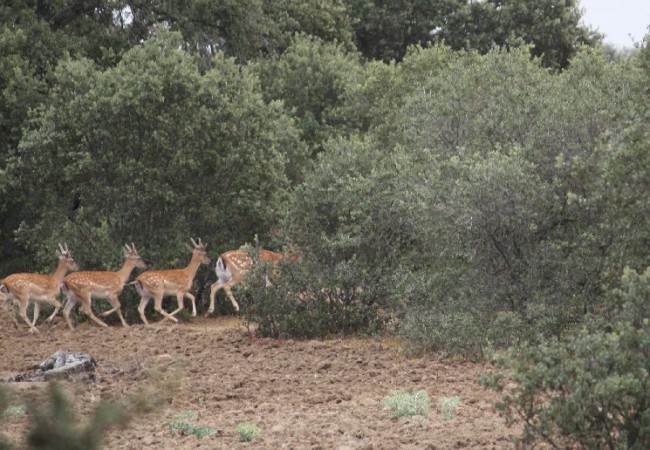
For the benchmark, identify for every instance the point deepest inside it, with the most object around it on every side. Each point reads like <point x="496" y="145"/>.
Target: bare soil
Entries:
<point x="301" y="394"/>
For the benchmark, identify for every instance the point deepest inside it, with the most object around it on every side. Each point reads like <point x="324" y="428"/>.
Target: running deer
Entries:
<point x="84" y="286"/>
<point x="157" y="284"/>
<point x="231" y="269"/>
<point x="22" y="287"/>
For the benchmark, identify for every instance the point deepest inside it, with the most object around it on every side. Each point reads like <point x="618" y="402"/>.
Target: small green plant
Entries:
<point x="179" y="426"/>
<point x="14" y="412"/>
<point x="247" y="432"/>
<point x="403" y="403"/>
<point x="447" y="407"/>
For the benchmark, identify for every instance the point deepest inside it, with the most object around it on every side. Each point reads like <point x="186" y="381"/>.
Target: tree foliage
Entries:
<point x="310" y="77"/>
<point x="152" y="151"/>
<point x="551" y="27"/>
<point x="385" y="30"/>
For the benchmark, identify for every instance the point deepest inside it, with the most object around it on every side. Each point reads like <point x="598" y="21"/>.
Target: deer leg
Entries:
<point x="179" y="299"/>
<point x="214" y="288"/>
<point x="119" y="313"/>
<point x="115" y="303"/>
<point x="72" y="300"/>
<point x="85" y="307"/>
<point x="227" y="287"/>
<point x="193" y="300"/>
<point x="117" y="307"/>
<point x="57" y="306"/>
<point x="143" y="304"/>
<point x="158" y="307"/>
<point x="23" y="315"/>
<point x="37" y="310"/>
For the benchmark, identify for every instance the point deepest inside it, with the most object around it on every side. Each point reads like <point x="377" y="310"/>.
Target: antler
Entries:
<point x="131" y="251"/>
<point x="200" y="244"/>
<point x="63" y="249"/>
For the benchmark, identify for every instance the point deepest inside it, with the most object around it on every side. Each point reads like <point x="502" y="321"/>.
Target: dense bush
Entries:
<point x="512" y="210"/>
<point x="458" y="207"/>
<point x="355" y="220"/>
<point x="301" y="299"/>
<point x="591" y="390"/>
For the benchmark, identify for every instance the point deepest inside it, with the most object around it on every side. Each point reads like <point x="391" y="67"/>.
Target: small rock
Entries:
<point x="61" y="364"/>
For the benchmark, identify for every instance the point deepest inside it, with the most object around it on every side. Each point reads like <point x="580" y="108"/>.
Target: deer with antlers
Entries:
<point x="84" y="286"/>
<point x="157" y="284"/>
<point x="231" y="269"/>
<point x="22" y="287"/>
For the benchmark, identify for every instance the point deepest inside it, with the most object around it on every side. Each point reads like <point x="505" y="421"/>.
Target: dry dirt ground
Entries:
<point x="301" y="394"/>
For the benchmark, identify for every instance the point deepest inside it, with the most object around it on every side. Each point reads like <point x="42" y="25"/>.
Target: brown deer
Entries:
<point x="231" y="269"/>
<point x="22" y="287"/>
<point x="84" y="286"/>
<point x="157" y="284"/>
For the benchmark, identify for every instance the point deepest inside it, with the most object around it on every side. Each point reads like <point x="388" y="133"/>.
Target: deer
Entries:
<point x="157" y="284"/>
<point x="22" y="287"/>
<point x="231" y="269"/>
<point x="84" y="286"/>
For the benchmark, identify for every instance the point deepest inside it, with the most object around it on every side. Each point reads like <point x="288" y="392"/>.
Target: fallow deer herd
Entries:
<point x="22" y="288"/>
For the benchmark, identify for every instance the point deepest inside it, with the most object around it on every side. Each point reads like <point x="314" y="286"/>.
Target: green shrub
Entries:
<point x="14" y="412"/>
<point x="247" y="432"/>
<point x="403" y="403"/>
<point x="447" y="407"/>
<point x="505" y="329"/>
<point x="179" y="425"/>
<point x="591" y="390"/>
<point x="306" y="300"/>
<point x="455" y="333"/>
<point x="354" y="220"/>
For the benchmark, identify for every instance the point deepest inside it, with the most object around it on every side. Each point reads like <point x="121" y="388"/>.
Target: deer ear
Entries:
<point x="189" y="248"/>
